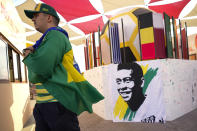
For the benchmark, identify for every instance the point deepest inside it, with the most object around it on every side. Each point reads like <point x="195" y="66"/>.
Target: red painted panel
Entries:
<point x="148" y="51"/>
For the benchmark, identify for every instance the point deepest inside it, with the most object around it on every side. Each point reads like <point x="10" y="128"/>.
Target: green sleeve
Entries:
<point x="46" y="57"/>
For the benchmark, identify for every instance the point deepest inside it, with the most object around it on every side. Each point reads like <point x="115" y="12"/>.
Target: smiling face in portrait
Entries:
<point x="125" y="84"/>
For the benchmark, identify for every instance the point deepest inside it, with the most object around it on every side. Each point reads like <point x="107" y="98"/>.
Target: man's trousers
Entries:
<point x="54" y="117"/>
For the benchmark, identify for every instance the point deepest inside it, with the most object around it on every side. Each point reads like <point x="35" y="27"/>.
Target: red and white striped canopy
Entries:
<point x="84" y="16"/>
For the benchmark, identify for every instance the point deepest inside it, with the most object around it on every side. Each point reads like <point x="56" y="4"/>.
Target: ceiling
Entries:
<point x="81" y="17"/>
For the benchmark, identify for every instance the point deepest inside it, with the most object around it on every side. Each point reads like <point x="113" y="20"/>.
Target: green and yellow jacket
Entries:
<point x="51" y="65"/>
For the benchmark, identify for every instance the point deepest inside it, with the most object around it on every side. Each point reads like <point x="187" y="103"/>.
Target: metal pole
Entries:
<point x="187" y="46"/>
<point x="99" y="39"/>
<point x="181" y="38"/>
<point x="124" y="53"/>
<point x="110" y="42"/>
<point x="88" y="60"/>
<point x="94" y="49"/>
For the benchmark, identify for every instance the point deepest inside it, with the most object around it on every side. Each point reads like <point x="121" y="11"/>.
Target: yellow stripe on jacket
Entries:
<point x="43" y="95"/>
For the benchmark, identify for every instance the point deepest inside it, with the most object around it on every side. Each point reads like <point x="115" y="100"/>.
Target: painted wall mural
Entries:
<point x="137" y="93"/>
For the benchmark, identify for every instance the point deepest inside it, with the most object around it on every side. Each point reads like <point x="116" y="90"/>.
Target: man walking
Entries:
<point x="62" y="92"/>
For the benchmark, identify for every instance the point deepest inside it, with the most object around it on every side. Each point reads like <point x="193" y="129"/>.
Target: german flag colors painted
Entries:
<point x="146" y="36"/>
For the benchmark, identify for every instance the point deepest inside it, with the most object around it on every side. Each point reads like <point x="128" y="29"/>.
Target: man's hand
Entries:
<point x="28" y="50"/>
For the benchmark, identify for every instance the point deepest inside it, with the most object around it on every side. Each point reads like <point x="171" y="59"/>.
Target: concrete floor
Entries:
<point x="92" y="122"/>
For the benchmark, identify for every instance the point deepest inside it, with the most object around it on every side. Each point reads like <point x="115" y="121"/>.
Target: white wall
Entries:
<point x="179" y="78"/>
<point x="15" y="106"/>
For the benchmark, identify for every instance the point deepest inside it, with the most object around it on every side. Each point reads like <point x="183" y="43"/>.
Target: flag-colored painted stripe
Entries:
<point x="146" y="20"/>
<point x="148" y="51"/>
<point x="120" y="108"/>
<point x="86" y="60"/>
<point x="115" y="42"/>
<point x="147" y="35"/>
<point x="159" y="43"/>
<point x="98" y="56"/>
<point x="175" y="38"/>
<point x="168" y="36"/>
<point x="158" y="20"/>
<point x="184" y="44"/>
